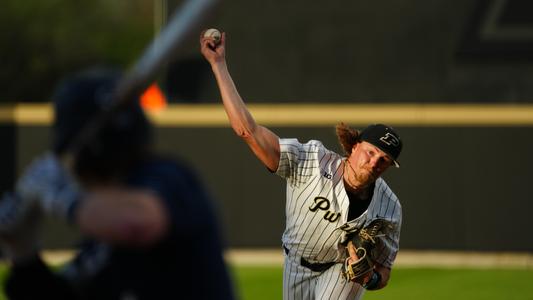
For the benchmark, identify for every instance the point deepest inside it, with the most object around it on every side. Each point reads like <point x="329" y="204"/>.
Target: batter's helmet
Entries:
<point x="77" y="100"/>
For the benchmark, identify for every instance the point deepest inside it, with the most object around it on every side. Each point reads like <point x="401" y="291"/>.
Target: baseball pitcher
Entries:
<point x="342" y="219"/>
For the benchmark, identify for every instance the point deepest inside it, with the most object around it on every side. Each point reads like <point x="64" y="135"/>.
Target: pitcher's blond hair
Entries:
<point x="347" y="137"/>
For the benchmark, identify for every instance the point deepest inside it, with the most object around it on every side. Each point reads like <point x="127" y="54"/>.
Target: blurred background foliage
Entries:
<point x="43" y="40"/>
<point x="346" y="51"/>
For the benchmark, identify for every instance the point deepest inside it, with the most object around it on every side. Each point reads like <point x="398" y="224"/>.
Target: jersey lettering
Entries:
<point x="324" y="204"/>
<point x="320" y="203"/>
<point x="332" y="217"/>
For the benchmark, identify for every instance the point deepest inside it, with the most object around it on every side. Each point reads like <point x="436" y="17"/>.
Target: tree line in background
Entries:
<point x="44" y="40"/>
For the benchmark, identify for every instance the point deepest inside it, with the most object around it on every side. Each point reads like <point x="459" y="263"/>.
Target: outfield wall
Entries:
<point x="464" y="185"/>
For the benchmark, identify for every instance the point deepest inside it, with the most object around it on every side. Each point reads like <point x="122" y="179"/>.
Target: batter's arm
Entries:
<point x="117" y="215"/>
<point x="263" y="142"/>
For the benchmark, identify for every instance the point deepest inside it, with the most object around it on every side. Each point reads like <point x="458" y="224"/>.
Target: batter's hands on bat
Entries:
<point x="49" y="184"/>
<point x="212" y="51"/>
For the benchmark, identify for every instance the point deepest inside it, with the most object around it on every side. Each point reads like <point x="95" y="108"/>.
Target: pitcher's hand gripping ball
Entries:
<point x="213" y="34"/>
<point x="362" y="242"/>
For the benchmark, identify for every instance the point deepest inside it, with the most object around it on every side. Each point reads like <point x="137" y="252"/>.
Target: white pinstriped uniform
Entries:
<point x="317" y="218"/>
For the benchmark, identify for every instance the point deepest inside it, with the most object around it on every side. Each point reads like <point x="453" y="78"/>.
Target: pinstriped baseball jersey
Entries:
<point x="317" y="210"/>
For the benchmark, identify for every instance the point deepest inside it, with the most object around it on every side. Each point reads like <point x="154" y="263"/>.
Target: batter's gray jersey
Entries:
<point x="317" y="217"/>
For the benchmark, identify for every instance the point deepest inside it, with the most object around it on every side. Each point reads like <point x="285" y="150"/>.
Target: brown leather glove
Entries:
<point x="359" y="264"/>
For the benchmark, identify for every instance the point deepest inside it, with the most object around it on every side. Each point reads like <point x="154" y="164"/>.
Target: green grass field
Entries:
<point x="262" y="283"/>
<point x="265" y="283"/>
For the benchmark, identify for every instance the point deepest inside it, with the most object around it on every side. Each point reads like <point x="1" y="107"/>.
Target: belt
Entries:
<point x="315" y="267"/>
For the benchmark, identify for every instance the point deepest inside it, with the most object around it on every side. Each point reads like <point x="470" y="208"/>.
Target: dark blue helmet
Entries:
<point x="123" y="138"/>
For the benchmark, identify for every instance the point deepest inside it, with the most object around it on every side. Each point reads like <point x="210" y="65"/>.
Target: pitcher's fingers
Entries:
<point x="352" y="251"/>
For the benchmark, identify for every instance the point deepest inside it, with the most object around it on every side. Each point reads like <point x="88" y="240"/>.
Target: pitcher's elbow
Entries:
<point x="243" y="132"/>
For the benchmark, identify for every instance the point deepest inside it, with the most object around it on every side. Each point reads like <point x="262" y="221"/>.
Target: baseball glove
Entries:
<point x="359" y="262"/>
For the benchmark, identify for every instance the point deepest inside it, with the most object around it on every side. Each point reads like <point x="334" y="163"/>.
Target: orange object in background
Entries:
<point x="153" y="99"/>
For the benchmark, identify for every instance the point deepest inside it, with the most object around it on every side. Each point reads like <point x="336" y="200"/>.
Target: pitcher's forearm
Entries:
<point x="240" y="118"/>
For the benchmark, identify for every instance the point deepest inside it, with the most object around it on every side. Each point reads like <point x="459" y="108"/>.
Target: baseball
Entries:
<point x="214" y="34"/>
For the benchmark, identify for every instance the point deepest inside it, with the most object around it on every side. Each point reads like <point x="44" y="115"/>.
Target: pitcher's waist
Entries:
<point x="313" y="266"/>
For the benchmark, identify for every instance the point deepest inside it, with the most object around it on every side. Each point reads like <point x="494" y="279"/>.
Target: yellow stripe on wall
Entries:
<point x="354" y="114"/>
<point x="27" y="114"/>
<point x="294" y="115"/>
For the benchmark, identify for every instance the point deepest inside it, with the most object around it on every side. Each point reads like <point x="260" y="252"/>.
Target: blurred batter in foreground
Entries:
<point x="149" y="225"/>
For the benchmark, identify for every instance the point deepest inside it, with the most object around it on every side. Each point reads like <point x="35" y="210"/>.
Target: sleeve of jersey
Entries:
<point x="387" y="249"/>
<point x="298" y="162"/>
<point x="388" y="206"/>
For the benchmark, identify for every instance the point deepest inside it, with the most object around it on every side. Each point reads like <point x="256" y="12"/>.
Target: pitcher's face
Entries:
<point x="368" y="162"/>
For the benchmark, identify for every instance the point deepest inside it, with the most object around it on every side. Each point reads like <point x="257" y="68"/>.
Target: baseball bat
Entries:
<point x="161" y="50"/>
